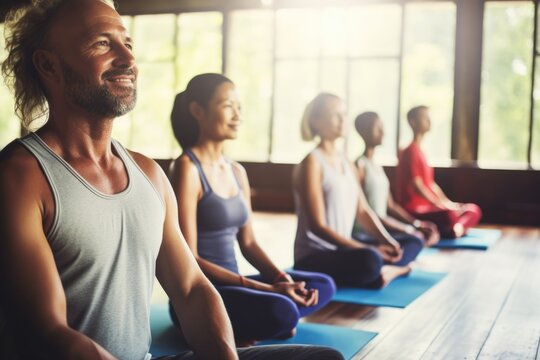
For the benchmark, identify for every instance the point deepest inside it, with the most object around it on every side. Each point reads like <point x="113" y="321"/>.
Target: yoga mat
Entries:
<point x="427" y="251"/>
<point x="345" y="340"/>
<point x="166" y="338"/>
<point x="476" y="239"/>
<point x="399" y="293"/>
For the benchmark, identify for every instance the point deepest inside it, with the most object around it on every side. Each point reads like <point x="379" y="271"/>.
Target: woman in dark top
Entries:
<point x="214" y="212"/>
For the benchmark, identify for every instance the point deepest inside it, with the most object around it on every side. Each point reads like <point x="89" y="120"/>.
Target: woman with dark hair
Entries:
<point x="328" y="200"/>
<point x="409" y="231"/>
<point x="214" y="211"/>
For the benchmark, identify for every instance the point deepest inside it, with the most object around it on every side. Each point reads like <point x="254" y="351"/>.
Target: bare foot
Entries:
<point x="390" y="272"/>
<point x="245" y="343"/>
<point x="459" y="230"/>
<point x="287" y="335"/>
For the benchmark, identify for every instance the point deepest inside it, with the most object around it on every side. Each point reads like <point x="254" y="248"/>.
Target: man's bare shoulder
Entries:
<point x="150" y="168"/>
<point x="18" y="164"/>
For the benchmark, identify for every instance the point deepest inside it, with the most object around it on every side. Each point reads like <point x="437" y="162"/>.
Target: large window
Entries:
<point x="356" y="52"/>
<point x="428" y="73"/>
<point x="506" y="83"/>
<point x="9" y="123"/>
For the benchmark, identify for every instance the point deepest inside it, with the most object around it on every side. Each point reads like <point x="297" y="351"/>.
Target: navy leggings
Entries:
<point x="410" y="244"/>
<point x="348" y="267"/>
<point x="258" y="315"/>
<point x="359" y="267"/>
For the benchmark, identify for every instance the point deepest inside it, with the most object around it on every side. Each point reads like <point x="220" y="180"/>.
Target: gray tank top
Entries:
<point x="376" y="186"/>
<point x="340" y="192"/>
<point x="105" y="249"/>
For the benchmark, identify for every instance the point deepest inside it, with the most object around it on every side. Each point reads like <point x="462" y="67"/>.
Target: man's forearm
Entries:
<point x="205" y="323"/>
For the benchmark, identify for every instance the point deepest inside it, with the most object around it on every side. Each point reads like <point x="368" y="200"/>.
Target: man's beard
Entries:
<point x="98" y="100"/>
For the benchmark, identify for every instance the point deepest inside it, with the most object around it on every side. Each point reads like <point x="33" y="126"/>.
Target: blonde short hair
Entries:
<point x="26" y="29"/>
<point x="313" y="110"/>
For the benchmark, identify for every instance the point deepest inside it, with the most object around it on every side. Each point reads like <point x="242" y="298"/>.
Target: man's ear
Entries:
<point x="46" y="64"/>
<point x="196" y="110"/>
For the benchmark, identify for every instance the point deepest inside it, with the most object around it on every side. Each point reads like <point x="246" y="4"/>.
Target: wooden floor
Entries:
<point x="488" y="307"/>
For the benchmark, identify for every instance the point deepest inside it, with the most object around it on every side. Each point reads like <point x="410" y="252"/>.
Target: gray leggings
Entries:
<point x="270" y="352"/>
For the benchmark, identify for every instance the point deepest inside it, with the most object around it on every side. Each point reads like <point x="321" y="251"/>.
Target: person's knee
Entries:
<point x="283" y="314"/>
<point x="316" y="280"/>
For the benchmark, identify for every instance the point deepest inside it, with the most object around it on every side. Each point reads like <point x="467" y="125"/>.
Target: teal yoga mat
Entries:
<point x="345" y="340"/>
<point x="476" y="239"/>
<point x="167" y="340"/>
<point x="399" y="293"/>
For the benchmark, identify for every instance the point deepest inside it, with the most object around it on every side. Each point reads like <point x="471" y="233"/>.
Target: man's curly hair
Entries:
<point x="26" y="30"/>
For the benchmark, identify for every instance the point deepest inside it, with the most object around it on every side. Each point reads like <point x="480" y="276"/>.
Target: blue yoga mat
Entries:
<point x="477" y="239"/>
<point x="166" y="338"/>
<point x="345" y="340"/>
<point x="399" y="293"/>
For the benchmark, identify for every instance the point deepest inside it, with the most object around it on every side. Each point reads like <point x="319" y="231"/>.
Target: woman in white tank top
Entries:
<point x="328" y="200"/>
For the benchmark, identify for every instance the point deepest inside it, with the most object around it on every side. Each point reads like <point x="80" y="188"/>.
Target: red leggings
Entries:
<point x="446" y="219"/>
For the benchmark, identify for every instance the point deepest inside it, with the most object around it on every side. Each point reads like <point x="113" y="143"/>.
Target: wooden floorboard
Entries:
<point x="516" y="332"/>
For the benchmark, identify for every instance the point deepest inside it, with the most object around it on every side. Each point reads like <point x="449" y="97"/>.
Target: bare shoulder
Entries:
<point x="239" y="169"/>
<point x="305" y="170"/>
<point x="182" y="170"/>
<point x="150" y="168"/>
<point x="19" y="168"/>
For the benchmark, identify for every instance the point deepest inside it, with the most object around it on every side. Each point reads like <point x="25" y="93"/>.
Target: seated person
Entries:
<point x="417" y="191"/>
<point x="376" y="187"/>
<point x="86" y="225"/>
<point x="214" y="211"/>
<point x="328" y="200"/>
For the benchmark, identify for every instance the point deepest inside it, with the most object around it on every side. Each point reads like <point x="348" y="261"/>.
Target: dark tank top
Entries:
<point x="218" y="222"/>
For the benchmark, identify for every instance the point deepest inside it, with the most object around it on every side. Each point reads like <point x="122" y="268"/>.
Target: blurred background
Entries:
<point x="471" y="61"/>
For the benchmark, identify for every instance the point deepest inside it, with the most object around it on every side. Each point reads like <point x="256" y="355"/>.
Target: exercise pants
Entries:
<point x="272" y="352"/>
<point x="410" y="244"/>
<point x="446" y="219"/>
<point x="259" y="315"/>
<point x="348" y="267"/>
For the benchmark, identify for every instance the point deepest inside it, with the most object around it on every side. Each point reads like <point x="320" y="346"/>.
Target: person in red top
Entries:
<point x="417" y="191"/>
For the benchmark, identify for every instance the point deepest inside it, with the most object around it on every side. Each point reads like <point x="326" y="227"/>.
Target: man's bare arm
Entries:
<point x="34" y="296"/>
<point x="197" y="304"/>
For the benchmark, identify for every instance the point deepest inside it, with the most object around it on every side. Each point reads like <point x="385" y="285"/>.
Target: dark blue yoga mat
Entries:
<point x="399" y="293"/>
<point x="166" y="338"/>
<point x="345" y="340"/>
<point x="477" y="239"/>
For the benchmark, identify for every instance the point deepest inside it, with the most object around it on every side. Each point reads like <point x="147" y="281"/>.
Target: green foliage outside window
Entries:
<point x="506" y="83"/>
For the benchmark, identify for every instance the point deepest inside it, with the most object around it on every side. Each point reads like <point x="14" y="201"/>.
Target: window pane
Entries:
<point x="297" y="32"/>
<point x="9" y="123"/>
<point x="506" y="79"/>
<point x="374" y="30"/>
<point x="333" y="75"/>
<point x="428" y="73"/>
<point x="199" y="45"/>
<point x="147" y="129"/>
<point x="334" y="32"/>
<point x="374" y="87"/>
<point x="289" y="103"/>
<point x="249" y="65"/>
<point x="154" y="37"/>
<point x="535" y="151"/>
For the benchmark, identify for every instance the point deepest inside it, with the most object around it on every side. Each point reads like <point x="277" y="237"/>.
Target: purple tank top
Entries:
<point x="218" y="222"/>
